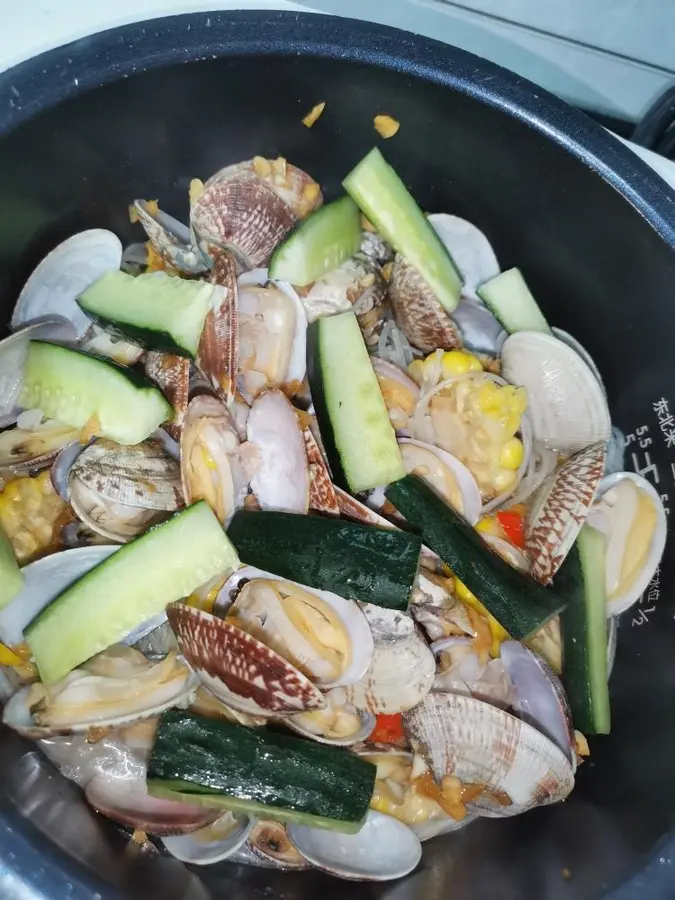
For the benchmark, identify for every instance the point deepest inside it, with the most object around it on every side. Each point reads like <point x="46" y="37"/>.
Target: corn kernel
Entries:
<point x="416" y="370"/>
<point x="499" y="634"/>
<point x="459" y="362"/>
<point x="8" y="657"/>
<point x="262" y="166"/>
<point x="489" y="525"/>
<point x="511" y="454"/>
<point x="504" y="480"/>
<point x="313" y="114"/>
<point x="386" y="126"/>
<point x="196" y="190"/>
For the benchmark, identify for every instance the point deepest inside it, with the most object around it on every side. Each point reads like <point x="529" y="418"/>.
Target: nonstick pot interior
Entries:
<point x="139" y="112"/>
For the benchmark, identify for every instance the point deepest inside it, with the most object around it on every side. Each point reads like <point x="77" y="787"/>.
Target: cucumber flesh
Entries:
<point x="134" y="584"/>
<point x="11" y="579"/>
<point x="388" y="204"/>
<point x="156" y="311"/>
<point x="355" y="427"/>
<point x="75" y="387"/>
<point x="519" y="604"/>
<point x="510" y="301"/>
<point x="185" y="792"/>
<point x="321" y="243"/>
<point x="584" y="633"/>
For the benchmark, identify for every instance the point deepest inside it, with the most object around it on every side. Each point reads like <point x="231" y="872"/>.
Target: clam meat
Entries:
<point x="339" y="724"/>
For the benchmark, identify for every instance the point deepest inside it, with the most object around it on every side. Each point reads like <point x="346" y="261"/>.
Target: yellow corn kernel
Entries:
<point x="511" y="454"/>
<point x="459" y="362"/>
<point x="499" y="634"/>
<point x="12" y="491"/>
<point x="504" y="480"/>
<point x="489" y="399"/>
<point x="490" y="525"/>
<point x="511" y="424"/>
<point x="416" y="370"/>
<point x="8" y="657"/>
<point x="310" y="191"/>
<point x="313" y="114"/>
<point x="262" y="166"/>
<point x="196" y="190"/>
<point x="386" y="126"/>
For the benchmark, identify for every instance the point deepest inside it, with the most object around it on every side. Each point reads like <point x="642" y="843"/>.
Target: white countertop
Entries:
<point x="34" y="26"/>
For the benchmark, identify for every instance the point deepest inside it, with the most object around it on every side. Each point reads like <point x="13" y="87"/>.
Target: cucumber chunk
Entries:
<point x="156" y="311"/>
<point x="319" y="244"/>
<point x="510" y="301"/>
<point x="355" y="427"/>
<point x="260" y="772"/>
<point x="386" y="201"/>
<point x="75" y="387"/>
<point x="11" y="579"/>
<point x="128" y="588"/>
<point x="584" y="633"/>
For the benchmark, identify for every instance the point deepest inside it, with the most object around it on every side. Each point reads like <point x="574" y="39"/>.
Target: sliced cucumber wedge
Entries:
<point x="321" y="243"/>
<point x="75" y="387"/>
<point x="355" y="427"/>
<point x="388" y="204"/>
<point x="156" y="311"/>
<point x="128" y="588"/>
<point x="11" y="579"/>
<point x="509" y="299"/>
<point x="584" y="632"/>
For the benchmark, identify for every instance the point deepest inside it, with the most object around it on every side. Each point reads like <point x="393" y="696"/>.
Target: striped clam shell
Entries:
<point x="219" y="343"/>
<point x="481" y="744"/>
<point x="240" y="670"/>
<point x="418" y="313"/>
<point x="321" y="490"/>
<point x="143" y="475"/>
<point x="559" y="510"/>
<point x="171" y="374"/>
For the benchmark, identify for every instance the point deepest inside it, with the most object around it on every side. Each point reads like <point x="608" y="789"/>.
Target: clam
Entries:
<point x="400" y="393"/>
<point x="219" y="343"/>
<point x="170" y="238"/>
<point x="249" y="207"/>
<point x="212" y="463"/>
<point x="507" y="551"/>
<point x="471" y="251"/>
<point x="581" y="351"/>
<point x="13" y="350"/>
<point x="462" y="670"/>
<point x="241" y="671"/>
<point x="270" y="842"/>
<point x="629" y="511"/>
<point x="25" y="450"/>
<point x="213" y="843"/>
<point x="384" y="849"/>
<point x="120" y="491"/>
<point x="402" y="668"/>
<point x="538" y="696"/>
<point x="114" y="688"/>
<point x="325" y="636"/>
<point x="171" y="374"/>
<point x="131" y="806"/>
<point x="351" y="508"/>
<point x="280" y="478"/>
<point x="63" y="275"/>
<point x="567" y="405"/>
<point x="446" y="474"/>
<point x="374" y="246"/>
<point x="272" y="335"/>
<point x="339" y="724"/>
<point x="321" y="490"/>
<point x="208" y="705"/>
<point x="512" y="766"/>
<point x="559" y="510"/>
<point x="358" y="285"/>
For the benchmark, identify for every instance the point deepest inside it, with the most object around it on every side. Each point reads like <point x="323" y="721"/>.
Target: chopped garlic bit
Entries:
<point x="386" y="126"/>
<point x="313" y="114"/>
<point x="581" y="746"/>
<point x="196" y="190"/>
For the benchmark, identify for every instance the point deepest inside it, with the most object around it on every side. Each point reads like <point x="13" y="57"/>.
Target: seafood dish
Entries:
<point x="314" y="532"/>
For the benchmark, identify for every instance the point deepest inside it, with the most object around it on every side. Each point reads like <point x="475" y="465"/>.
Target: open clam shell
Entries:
<point x="538" y="696"/>
<point x="319" y="726"/>
<point x="444" y="472"/>
<point x="321" y="490"/>
<point x="270" y="842"/>
<point x="384" y="849"/>
<point x="240" y="670"/>
<point x="614" y="515"/>
<point x="131" y="807"/>
<point x="480" y="744"/>
<point x="559" y="510"/>
<point x="281" y="477"/>
<point x="578" y="348"/>
<point x="171" y="374"/>
<point x="399" y="391"/>
<point x="350" y="615"/>
<point x="219" y="343"/>
<point x="26" y="451"/>
<point x="213" y="843"/>
<point x="567" y="404"/>
<point x="18" y="716"/>
<point x="170" y="238"/>
<point x="63" y="275"/>
<point x="400" y="675"/>
<point x="471" y="251"/>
